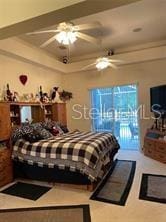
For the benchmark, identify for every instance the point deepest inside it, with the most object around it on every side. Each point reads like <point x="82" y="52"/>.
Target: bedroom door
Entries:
<point x="115" y="110"/>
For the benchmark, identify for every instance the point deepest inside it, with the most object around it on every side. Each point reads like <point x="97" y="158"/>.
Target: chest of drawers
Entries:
<point x="154" y="146"/>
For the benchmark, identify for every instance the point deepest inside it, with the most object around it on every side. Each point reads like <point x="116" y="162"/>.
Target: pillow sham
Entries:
<point x="33" y="136"/>
<point x="50" y="125"/>
<point x="45" y="134"/>
<point x="19" y="132"/>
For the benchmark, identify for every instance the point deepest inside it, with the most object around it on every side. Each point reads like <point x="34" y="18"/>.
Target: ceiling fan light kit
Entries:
<point x="66" y="38"/>
<point x="102" y="63"/>
<point x="67" y="34"/>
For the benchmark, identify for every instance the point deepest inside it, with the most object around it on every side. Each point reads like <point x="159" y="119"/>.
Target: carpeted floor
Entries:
<point x="135" y="210"/>
<point x="78" y="213"/>
<point x="153" y="188"/>
<point x="116" y="185"/>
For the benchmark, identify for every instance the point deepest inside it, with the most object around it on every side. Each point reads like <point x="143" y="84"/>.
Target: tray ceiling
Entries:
<point x="116" y="32"/>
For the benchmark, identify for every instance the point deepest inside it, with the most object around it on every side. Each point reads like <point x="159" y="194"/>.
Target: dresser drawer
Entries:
<point x="149" y="144"/>
<point x="6" y="168"/>
<point x="6" y="175"/>
<point x="161" y="147"/>
<point x="5" y="155"/>
<point x="149" y="151"/>
<point x="5" y="180"/>
<point x="1" y="167"/>
<point x="160" y="157"/>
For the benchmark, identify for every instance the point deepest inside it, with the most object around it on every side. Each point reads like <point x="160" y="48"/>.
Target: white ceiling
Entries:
<point x="116" y="32"/>
<point x="21" y="10"/>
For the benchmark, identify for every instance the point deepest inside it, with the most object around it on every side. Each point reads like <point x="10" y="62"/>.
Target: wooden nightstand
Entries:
<point x="6" y="168"/>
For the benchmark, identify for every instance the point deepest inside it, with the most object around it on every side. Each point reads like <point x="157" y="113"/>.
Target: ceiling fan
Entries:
<point x="67" y="33"/>
<point x="104" y="62"/>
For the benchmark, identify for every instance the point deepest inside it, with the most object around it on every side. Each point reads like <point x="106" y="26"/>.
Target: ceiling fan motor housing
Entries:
<point x="110" y="52"/>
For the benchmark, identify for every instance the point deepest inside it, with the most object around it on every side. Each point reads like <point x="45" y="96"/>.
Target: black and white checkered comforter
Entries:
<point x="87" y="152"/>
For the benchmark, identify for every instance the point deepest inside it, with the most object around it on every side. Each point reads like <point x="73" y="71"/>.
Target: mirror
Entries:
<point x="26" y="114"/>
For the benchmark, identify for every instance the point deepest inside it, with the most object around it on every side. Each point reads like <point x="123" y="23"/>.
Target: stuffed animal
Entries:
<point x="55" y="95"/>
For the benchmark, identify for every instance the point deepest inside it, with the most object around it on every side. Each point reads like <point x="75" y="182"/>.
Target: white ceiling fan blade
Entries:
<point x="116" y="60"/>
<point x="88" y="38"/>
<point x="113" y="66"/>
<point x="41" y="32"/>
<point x="48" y="41"/>
<point x="87" y="26"/>
<point x="86" y="67"/>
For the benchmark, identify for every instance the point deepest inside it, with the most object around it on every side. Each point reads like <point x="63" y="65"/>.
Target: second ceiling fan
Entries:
<point x="104" y="62"/>
<point x="67" y="33"/>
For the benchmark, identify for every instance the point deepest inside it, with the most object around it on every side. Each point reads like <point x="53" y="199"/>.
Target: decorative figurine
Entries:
<point x="37" y="98"/>
<point x="41" y="94"/>
<point x="9" y="94"/>
<point x="45" y="98"/>
<point x="15" y="97"/>
<point x="55" y="98"/>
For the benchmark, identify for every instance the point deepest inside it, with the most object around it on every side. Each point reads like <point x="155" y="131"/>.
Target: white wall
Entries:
<point x="41" y="70"/>
<point x="146" y="75"/>
<point x="11" y="69"/>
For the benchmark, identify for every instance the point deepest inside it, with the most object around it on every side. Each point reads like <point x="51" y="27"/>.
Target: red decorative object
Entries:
<point x="23" y="79"/>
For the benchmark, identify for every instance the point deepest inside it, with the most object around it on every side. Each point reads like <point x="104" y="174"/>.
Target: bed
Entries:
<point x="80" y="158"/>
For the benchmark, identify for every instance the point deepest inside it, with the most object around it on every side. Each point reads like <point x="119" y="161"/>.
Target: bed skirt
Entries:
<point x="34" y="172"/>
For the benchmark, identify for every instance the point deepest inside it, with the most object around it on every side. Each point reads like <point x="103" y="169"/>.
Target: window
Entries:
<point x="115" y="110"/>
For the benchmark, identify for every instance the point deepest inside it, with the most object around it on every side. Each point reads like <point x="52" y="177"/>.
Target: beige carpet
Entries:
<point x="135" y="210"/>
<point x="79" y="213"/>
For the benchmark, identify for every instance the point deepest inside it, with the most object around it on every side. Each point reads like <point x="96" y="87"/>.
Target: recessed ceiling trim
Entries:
<point x="11" y="47"/>
<point x="78" y="10"/>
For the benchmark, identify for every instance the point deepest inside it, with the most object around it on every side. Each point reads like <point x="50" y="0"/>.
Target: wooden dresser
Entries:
<point x="6" y="169"/>
<point x="155" y="145"/>
<point x="10" y="116"/>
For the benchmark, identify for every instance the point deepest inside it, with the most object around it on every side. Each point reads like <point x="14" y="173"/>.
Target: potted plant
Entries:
<point x="65" y="95"/>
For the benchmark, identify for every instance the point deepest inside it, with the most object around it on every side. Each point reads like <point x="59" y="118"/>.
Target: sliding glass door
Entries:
<point x="115" y="110"/>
